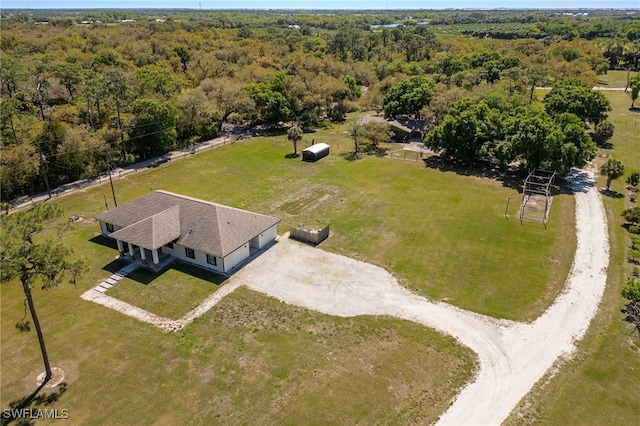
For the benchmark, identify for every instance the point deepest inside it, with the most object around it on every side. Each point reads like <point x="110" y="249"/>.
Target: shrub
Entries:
<point x="604" y="132"/>
<point x="612" y="169"/>
<point x="632" y="215"/>
<point x="631" y="290"/>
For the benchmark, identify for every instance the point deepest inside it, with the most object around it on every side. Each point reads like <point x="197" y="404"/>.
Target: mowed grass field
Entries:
<point x="442" y="233"/>
<point x="170" y="293"/>
<point x="601" y="384"/>
<point x="254" y="360"/>
<point x="250" y="360"/>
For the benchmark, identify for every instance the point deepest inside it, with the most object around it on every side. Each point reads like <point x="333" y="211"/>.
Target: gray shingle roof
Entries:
<point x="153" y="232"/>
<point x="160" y="217"/>
<point x="407" y="125"/>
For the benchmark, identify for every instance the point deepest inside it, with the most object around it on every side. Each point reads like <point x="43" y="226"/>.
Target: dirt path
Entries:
<point x="513" y="356"/>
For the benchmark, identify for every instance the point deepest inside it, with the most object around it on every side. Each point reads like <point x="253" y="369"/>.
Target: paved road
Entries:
<point x="118" y="173"/>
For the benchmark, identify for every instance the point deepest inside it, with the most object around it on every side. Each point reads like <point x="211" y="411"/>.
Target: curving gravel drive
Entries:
<point x="512" y="356"/>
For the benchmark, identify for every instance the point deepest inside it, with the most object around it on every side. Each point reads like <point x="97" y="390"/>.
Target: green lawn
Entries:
<point x="441" y="232"/>
<point x="613" y="79"/>
<point x="601" y="384"/>
<point x="625" y="142"/>
<point x="253" y="360"/>
<point x="170" y="293"/>
<point x="250" y="360"/>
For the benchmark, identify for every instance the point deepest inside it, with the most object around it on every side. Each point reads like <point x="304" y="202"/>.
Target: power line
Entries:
<point x="84" y="150"/>
<point x="124" y="128"/>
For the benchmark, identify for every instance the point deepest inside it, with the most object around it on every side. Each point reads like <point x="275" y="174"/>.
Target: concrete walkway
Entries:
<point x="97" y="295"/>
<point x="116" y="277"/>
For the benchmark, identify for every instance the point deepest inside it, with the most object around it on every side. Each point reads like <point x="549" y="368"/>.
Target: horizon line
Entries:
<point x="321" y="8"/>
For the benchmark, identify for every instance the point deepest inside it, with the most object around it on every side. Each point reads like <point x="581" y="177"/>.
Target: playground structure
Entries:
<point x="536" y="196"/>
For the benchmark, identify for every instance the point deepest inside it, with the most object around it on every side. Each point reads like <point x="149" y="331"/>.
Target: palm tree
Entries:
<point x="294" y="134"/>
<point x="634" y="83"/>
<point x="612" y="169"/>
<point x="355" y="131"/>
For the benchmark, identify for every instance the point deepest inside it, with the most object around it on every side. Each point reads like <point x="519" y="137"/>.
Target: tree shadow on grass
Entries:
<point x="508" y="176"/>
<point x="351" y="156"/>
<point x="25" y="410"/>
<point x="292" y="155"/>
<point x="611" y="193"/>
<point x="628" y="227"/>
<point x="378" y="151"/>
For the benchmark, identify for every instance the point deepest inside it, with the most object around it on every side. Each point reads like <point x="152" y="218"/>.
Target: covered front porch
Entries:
<point x="153" y="259"/>
<point x="143" y="241"/>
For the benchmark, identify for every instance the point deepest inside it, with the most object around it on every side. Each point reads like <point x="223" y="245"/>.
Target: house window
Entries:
<point x="211" y="260"/>
<point x="109" y="227"/>
<point x="189" y="253"/>
<point x="169" y="245"/>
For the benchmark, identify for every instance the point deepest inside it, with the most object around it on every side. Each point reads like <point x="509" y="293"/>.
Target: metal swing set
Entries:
<point x="536" y="196"/>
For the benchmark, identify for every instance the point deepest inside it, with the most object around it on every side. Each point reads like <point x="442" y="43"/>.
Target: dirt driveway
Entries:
<point x="513" y="356"/>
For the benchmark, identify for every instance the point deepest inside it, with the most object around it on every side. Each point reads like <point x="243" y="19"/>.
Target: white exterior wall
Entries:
<point x="179" y="252"/>
<point x="235" y="257"/>
<point x="267" y="236"/>
<point x="223" y="264"/>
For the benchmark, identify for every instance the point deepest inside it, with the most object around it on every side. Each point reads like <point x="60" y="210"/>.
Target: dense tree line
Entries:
<point x="596" y="20"/>
<point x="79" y="98"/>
<point x="509" y="129"/>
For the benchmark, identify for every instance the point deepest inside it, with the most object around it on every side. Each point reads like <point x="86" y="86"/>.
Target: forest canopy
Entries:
<point x="83" y="91"/>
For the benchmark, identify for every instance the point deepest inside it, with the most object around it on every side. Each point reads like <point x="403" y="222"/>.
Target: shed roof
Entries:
<point x="160" y="217"/>
<point x="319" y="147"/>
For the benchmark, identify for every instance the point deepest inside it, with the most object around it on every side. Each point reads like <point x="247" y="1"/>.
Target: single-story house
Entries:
<point x="315" y="152"/>
<point x="404" y="129"/>
<point x="162" y="224"/>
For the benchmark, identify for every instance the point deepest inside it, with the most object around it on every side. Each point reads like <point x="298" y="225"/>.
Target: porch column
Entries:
<point x="120" y="248"/>
<point x="143" y="256"/>
<point x="156" y="259"/>
<point x="132" y="255"/>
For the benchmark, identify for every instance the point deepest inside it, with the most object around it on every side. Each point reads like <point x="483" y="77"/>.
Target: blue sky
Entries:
<point x="325" y="4"/>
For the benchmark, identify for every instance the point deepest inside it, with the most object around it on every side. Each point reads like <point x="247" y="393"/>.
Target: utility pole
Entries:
<point x="43" y="159"/>
<point x="113" y="192"/>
